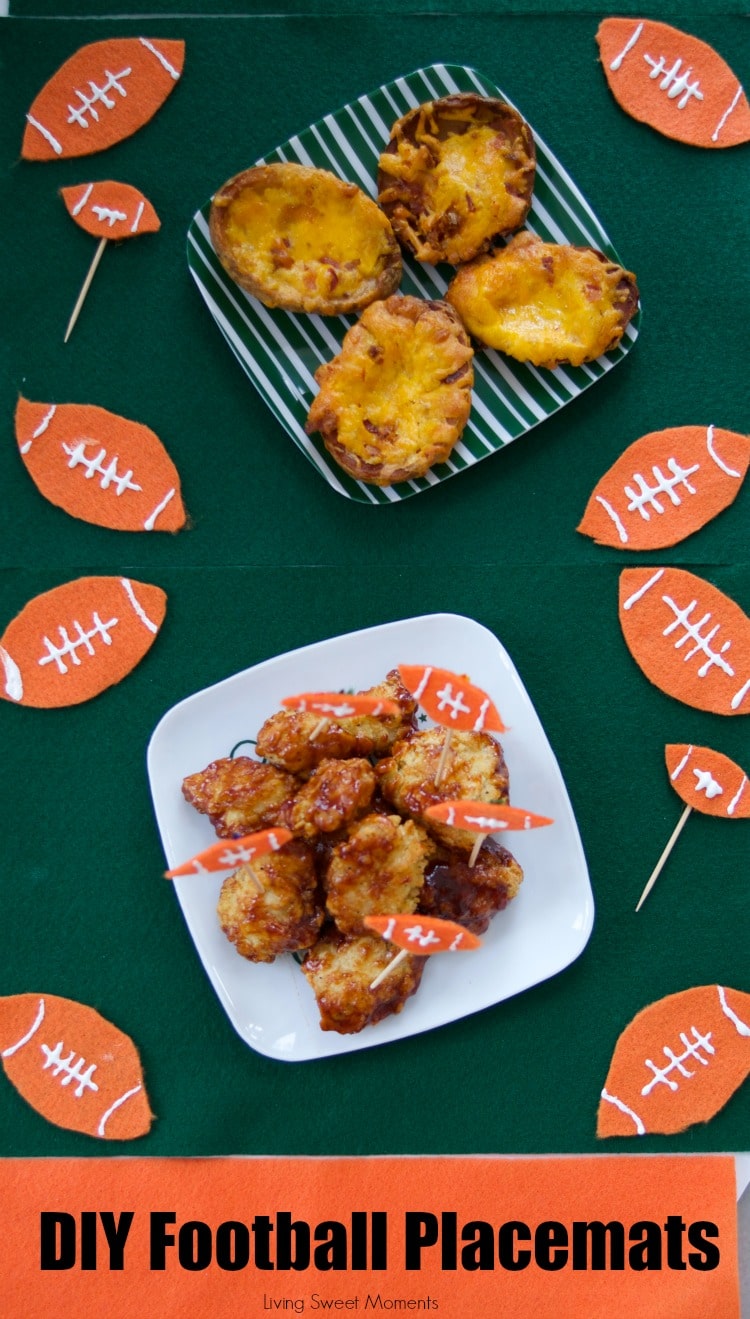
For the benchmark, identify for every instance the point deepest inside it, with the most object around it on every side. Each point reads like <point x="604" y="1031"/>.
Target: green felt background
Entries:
<point x="275" y="559"/>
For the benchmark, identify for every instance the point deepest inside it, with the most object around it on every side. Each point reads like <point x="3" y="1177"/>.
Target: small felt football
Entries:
<point x="708" y="781"/>
<point x="110" y="210"/>
<point x="688" y="638"/>
<point x="665" y="486"/>
<point x="672" y="81"/>
<point x="105" y="92"/>
<point x="73" y="642"/>
<point x="677" y="1063"/>
<point x="73" y="1066"/>
<point x="450" y="699"/>
<point x="100" y="467"/>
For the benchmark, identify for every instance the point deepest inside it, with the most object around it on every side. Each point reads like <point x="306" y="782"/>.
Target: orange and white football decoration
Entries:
<point x="230" y="853"/>
<point x="105" y="92"/>
<point x="73" y="1066"/>
<point x="483" y="817"/>
<point x="450" y="699"/>
<point x="677" y="1063"/>
<point x="73" y="642"/>
<point x="100" y="467"/>
<point x="689" y="639"/>
<point x="672" y="81"/>
<point x="708" y="781"/>
<point x="110" y="210"/>
<point x="665" y="486"/>
<point x="423" y="935"/>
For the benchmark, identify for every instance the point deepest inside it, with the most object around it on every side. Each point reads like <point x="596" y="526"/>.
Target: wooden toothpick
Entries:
<point x="443" y="756"/>
<point x="85" y="288"/>
<point x="478" y="841"/>
<point x="397" y="960"/>
<point x="662" y="859"/>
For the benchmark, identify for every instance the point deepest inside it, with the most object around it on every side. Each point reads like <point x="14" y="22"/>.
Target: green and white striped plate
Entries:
<point x="280" y="351"/>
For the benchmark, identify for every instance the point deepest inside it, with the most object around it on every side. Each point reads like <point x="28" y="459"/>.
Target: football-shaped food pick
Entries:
<point x="484" y="818"/>
<point x="73" y="642"/>
<point x="99" y="467"/>
<point x="677" y="1063"/>
<point x="673" y="82"/>
<point x="665" y="486"/>
<point x="422" y="937"/>
<point x="102" y="94"/>
<point x="707" y="781"/>
<point x="341" y="705"/>
<point x="229" y="854"/>
<point x="451" y="700"/>
<point x="73" y="1066"/>
<point x="688" y="638"/>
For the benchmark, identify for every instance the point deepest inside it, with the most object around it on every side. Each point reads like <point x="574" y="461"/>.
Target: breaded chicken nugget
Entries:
<point x="284" y="916"/>
<point x="240" y="795"/>
<point x="297" y="740"/>
<point x="335" y="793"/>
<point x="474" y="768"/>
<point x="385" y="729"/>
<point x="455" y="892"/>
<point x="341" y="968"/>
<point x="377" y="869"/>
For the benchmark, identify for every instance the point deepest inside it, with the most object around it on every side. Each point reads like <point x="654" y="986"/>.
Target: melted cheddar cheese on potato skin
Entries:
<point x="545" y="303"/>
<point x="396" y="398"/>
<point x="303" y="239"/>
<point x="457" y="173"/>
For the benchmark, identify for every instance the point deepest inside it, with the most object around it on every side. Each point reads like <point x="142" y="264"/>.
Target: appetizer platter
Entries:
<point x="373" y="147"/>
<point x="270" y="1003"/>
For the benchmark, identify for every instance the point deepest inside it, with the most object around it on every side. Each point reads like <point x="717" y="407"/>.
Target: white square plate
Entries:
<point x="544" y="929"/>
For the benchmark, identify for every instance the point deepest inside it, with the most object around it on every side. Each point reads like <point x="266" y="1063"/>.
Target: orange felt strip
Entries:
<point x="708" y="781"/>
<point x="450" y="699"/>
<point x="689" y="638"/>
<point x="674" y="82"/>
<point x="229" y="853"/>
<point x="485" y="817"/>
<point x="423" y="935"/>
<point x="340" y="705"/>
<point x="110" y="210"/>
<point x="105" y="92"/>
<point x="73" y="642"/>
<point x="671" y="1194"/>
<point x="100" y="467"/>
<point x="665" y="486"/>
<point x="74" y="1067"/>
<point x="677" y="1062"/>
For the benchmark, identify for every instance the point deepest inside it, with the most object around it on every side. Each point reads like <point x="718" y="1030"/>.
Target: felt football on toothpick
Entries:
<point x="451" y="701"/>
<point x="105" y="92"/>
<point x="99" y="467"/>
<point x="421" y="936"/>
<point x="665" y="486"/>
<point x="707" y="781"/>
<point x="109" y="211"/>
<point x="672" y="81"/>
<point x="677" y="1063"/>
<point x="69" y="644"/>
<point x="484" y="818"/>
<point x="230" y="853"/>
<point x="73" y="1066"/>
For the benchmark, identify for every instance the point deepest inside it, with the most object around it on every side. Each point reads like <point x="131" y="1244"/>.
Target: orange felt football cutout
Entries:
<point x="450" y="699"/>
<point x="74" y="1067"/>
<point x="110" y="210"/>
<point x="677" y="1063"/>
<point x="423" y="935"/>
<point x="665" y="486"/>
<point x="688" y="638"/>
<point x="484" y="817"/>
<point x="102" y="94"/>
<point x="708" y="781"/>
<point x="230" y="853"/>
<point x="674" y="82"/>
<point x="71" y="643"/>
<point x="339" y="705"/>
<point x="100" y="467"/>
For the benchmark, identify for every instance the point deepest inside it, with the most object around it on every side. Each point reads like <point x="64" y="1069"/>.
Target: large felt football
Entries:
<point x="73" y="1066"/>
<point x="100" y="467"/>
<point x="105" y="92"/>
<point x="73" y="642"/>
<point x="665" y="486"/>
<point x="677" y="1062"/>
<point x="689" y="638"/>
<point x="673" y="82"/>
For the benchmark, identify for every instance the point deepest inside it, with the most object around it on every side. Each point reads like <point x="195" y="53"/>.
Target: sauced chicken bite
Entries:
<point x="377" y="869"/>
<point x="297" y="740"/>
<point x="455" y="891"/>
<point x="281" y="916"/>
<point x="545" y="303"/>
<point x="340" y="968"/>
<point x="456" y="174"/>
<point x="240" y="795"/>
<point x="335" y="793"/>
<point x="474" y="768"/>
<point x="385" y="729"/>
